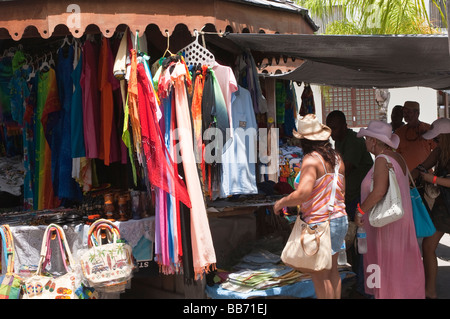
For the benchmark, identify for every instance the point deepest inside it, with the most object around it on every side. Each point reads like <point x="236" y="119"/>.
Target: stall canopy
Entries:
<point x="358" y="61"/>
<point x="46" y="18"/>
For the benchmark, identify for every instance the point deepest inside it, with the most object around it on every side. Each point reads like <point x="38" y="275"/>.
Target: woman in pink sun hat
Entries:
<point x="393" y="266"/>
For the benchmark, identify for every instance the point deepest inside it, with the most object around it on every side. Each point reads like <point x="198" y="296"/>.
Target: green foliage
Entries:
<point x="372" y="16"/>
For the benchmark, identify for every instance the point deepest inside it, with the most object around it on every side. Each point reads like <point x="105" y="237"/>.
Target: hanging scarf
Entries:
<point x="197" y="111"/>
<point x="202" y="247"/>
<point x="166" y="214"/>
<point x="133" y="107"/>
<point x="159" y="163"/>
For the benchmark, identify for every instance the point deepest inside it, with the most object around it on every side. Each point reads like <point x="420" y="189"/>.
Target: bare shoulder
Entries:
<point x="397" y="158"/>
<point x="312" y="160"/>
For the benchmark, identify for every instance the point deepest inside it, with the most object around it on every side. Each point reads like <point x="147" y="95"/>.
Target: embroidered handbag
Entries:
<point x="10" y="283"/>
<point x="41" y="286"/>
<point x="389" y="209"/>
<point x="308" y="247"/>
<point x="106" y="267"/>
<point x="422" y="220"/>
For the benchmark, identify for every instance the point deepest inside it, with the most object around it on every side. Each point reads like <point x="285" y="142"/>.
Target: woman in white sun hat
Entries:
<point x="440" y="212"/>
<point x="313" y="194"/>
<point x="393" y="266"/>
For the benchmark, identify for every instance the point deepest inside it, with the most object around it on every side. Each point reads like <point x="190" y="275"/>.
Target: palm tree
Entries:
<point x="374" y="16"/>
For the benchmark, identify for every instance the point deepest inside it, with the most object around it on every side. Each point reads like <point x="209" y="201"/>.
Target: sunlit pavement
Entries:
<point x="443" y="276"/>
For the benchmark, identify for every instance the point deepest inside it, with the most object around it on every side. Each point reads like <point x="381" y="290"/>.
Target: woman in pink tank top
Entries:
<point x="313" y="194"/>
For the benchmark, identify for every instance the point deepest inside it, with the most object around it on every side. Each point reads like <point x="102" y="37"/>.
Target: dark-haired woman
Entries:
<point x="313" y="195"/>
<point x="440" y="159"/>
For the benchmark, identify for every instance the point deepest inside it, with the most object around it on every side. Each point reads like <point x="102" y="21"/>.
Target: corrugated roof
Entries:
<point x="274" y="4"/>
<point x="283" y="5"/>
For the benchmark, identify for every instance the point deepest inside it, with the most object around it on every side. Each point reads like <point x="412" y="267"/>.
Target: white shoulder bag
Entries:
<point x="389" y="209"/>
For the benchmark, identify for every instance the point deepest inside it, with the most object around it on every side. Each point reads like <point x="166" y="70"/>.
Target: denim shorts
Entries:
<point x="338" y="231"/>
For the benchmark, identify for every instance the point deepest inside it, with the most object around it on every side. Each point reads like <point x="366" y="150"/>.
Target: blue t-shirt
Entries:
<point x="239" y="159"/>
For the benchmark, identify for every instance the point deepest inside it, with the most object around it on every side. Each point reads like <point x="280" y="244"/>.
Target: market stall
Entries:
<point x="97" y="104"/>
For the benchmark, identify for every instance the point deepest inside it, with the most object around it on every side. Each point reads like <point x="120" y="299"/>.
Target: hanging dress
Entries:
<point x="76" y="113"/>
<point x="48" y="106"/>
<point x="91" y="101"/>
<point x="67" y="188"/>
<point x="109" y="148"/>
<point x="29" y="146"/>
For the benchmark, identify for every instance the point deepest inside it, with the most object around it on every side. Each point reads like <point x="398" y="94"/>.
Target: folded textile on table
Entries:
<point x="245" y="281"/>
<point x="259" y="258"/>
<point x="260" y="270"/>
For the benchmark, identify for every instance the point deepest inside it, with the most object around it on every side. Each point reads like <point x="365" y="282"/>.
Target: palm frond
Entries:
<point x="373" y="16"/>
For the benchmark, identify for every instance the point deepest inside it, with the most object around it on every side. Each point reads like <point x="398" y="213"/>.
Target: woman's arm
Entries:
<point x="430" y="162"/>
<point x="433" y="179"/>
<point x="380" y="187"/>
<point x="304" y="188"/>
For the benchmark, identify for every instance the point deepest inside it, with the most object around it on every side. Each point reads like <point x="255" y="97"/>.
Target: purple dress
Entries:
<point x="91" y="99"/>
<point x="393" y="267"/>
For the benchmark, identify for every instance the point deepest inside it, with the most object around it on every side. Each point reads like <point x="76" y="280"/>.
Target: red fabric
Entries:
<point x="160" y="167"/>
<point x="106" y="103"/>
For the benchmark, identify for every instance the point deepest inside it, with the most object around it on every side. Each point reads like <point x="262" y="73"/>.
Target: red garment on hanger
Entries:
<point x="106" y="102"/>
<point x="160" y="166"/>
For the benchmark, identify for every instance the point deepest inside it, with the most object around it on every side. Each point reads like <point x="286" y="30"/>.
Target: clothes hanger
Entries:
<point x="195" y="54"/>
<point x="28" y="61"/>
<point x="65" y="41"/>
<point x="45" y="65"/>
<point x="32" y="73"/>
<point x="51" y="62"/>
<point x="168" y="45"/>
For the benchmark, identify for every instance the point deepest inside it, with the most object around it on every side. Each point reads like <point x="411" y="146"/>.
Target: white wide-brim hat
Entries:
<point x="310" y="128"/>
<point x="440" y="126"/>
<point x="381" y="131"/>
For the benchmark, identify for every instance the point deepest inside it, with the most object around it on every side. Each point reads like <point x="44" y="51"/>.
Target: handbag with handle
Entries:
<point x="106" y="267"/>
<point x="389" y="209"/>
<point x="40" y="286"/>
<point x="422" y="220"/>
<point x="10" y="283"/>
<point x="308" y="249"/>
